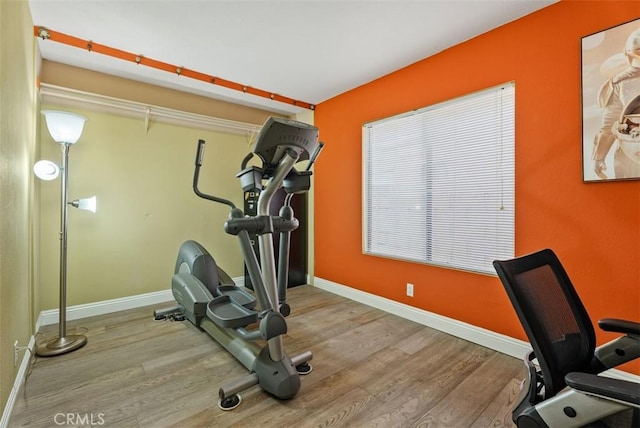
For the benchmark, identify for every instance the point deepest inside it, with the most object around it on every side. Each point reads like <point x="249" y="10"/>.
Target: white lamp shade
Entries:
<point x="46" y="170"/>
<point x="89" y="204"/>
<point x="63" y="126"/>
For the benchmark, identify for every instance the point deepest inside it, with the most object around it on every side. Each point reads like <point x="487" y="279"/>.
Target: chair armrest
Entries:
<point x="608" y="388"/>
<point x="619" y="326"/>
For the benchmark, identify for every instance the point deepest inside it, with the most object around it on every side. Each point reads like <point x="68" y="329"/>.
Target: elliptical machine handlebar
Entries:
<point x="196" y="176"/>
<point x="245" y="161"/>
<point x="200" y="153"/>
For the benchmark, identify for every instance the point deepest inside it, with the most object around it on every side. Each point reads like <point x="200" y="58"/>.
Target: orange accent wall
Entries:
<point x="593" y="227"/>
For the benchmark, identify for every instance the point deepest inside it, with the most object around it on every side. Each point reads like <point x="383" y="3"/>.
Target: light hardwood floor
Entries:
<point x="370" y="369"/>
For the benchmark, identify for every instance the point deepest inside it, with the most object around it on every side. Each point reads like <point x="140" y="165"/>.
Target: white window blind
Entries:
<point x="439" y="182"/>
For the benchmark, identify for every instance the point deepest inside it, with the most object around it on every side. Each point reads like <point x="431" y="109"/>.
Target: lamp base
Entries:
<point x="61" y="345"/>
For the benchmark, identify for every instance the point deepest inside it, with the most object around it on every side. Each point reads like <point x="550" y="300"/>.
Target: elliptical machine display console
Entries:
<point x="208" y="297"/>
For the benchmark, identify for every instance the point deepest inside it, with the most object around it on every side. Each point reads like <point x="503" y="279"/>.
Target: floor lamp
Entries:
<point x="65" y="128"/>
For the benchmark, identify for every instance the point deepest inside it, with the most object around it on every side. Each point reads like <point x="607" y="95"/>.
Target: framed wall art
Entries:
<point x="611" y="104"/>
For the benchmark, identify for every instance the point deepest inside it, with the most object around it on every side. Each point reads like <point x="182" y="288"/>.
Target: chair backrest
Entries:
<point x="552" y="315"/>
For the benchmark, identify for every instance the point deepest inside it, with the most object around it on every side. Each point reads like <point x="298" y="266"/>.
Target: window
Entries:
<point x="439" y="182"/>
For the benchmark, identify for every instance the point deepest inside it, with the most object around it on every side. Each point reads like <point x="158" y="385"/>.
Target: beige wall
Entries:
<point x="18" y="106"/>
<point x="146" y="206"/>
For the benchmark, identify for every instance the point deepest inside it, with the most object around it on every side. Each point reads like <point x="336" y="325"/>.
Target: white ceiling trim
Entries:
<point x="66" y="97"/>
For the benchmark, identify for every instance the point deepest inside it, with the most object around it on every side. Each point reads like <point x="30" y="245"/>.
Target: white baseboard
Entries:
<point x="496" y="341"/>
<point x="109" y="306"/>
<point x="105" y="307"/>
<point x="20" y="377"/>
<point x="487" y="338"/>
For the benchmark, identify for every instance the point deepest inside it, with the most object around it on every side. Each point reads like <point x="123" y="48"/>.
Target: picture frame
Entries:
<point x="611" y="104"/>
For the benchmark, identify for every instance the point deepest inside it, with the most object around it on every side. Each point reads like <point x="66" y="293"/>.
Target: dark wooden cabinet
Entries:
<point x="298" y="241"/>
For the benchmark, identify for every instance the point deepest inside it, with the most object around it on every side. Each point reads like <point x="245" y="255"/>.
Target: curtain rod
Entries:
<point x="47" y="34"/>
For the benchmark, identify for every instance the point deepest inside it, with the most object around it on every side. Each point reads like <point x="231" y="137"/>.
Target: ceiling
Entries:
<point x="307" y="50"/>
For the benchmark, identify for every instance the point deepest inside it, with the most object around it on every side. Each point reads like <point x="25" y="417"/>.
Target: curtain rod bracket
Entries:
<point x="43" y="33"/>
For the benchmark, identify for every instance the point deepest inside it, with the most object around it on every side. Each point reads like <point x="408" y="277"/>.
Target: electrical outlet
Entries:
<point x="409" y="289"/>
<point x="16" y="353"/>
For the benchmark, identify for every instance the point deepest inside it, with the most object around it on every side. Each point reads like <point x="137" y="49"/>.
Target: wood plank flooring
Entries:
<point x="370" y="369"/>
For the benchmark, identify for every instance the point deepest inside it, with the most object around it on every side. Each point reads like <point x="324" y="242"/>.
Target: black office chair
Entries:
<point x="562" y="388"/>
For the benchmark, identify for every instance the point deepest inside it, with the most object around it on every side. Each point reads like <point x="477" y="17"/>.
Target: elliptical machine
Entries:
<point x="207" y="296"/>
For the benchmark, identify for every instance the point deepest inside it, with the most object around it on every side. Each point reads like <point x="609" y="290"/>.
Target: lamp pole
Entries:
<point x="64" y="210"/>
<point x="63" y="343"/>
